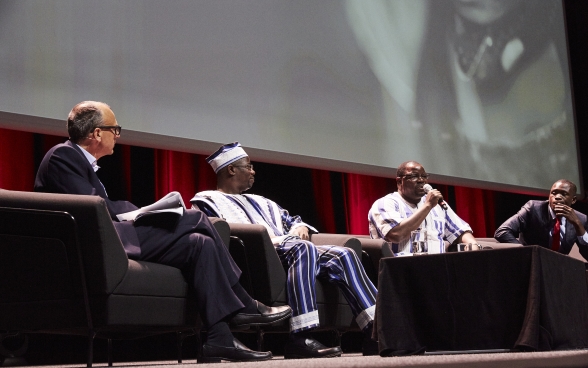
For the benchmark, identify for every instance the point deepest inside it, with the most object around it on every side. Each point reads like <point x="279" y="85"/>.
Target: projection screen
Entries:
<point x="478" y="91"/>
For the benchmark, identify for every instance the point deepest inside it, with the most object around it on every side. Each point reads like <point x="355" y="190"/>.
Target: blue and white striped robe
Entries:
<point x="391" y="210"/>
<point x="304" y="260"/>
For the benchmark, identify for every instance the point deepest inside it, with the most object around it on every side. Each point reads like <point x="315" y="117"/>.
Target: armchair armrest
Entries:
<point x="342" y="240"/>
<point x="376" y="249"/>
<point x="268" y="278"/>
<point x="222" y="227"/>
<point x="372" y="251"/>
<point x="368" y="250"/>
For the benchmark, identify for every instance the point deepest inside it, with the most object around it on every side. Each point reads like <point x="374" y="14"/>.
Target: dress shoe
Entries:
<point x="302" y="348"/>
<point x="237" y="353"/>
<point x="266" y="316"/>
<point x="369" y="347"/>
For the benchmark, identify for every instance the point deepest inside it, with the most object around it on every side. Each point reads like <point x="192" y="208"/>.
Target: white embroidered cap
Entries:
<point x="226" y="155"/>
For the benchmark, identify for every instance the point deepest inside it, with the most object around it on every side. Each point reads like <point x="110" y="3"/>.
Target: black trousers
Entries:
<point x="191" y="244"/>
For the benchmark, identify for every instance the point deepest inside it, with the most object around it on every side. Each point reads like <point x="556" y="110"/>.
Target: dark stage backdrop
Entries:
<point x="335" y="202"/>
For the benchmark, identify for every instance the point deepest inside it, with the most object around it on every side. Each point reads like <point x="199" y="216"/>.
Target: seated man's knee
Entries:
<point x="348" y="253"/>
<point x="200" y="243"/>
<point x="306" y="247"/>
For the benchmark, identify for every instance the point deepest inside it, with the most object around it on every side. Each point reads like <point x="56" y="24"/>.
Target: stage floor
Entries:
<point x="570" y="358"/>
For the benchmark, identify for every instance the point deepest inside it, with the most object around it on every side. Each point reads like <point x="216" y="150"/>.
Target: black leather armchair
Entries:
<point x="372" y="251"/>
<point x="63" y="270"/>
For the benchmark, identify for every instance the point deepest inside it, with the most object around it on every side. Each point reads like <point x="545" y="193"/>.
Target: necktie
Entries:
<point x="555" y="235"/>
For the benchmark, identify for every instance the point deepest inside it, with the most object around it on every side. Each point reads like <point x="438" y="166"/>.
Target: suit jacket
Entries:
<point x="65" y="169"/>
<point x="533" y="223"/>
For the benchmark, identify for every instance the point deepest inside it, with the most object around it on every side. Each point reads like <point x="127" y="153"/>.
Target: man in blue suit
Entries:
<point x="189" y="243"/>
<point x="551" y="224"/>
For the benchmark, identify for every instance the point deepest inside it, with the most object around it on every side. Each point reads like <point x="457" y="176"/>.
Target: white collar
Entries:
<point x="91" y="159"/>
<point x="413" y="206"/>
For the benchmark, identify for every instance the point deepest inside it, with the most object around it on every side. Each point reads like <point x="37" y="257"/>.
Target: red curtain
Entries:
<point x="17" y="160"/>
<point x="360" y="192"/>
<point x="323" y="199"/>
<point x="183" y="172"/>
<point x="476" y="207"/>
<point x="206" y="178"/>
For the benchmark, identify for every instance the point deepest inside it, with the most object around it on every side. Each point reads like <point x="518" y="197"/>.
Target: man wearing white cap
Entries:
<point x="304" y="260"/>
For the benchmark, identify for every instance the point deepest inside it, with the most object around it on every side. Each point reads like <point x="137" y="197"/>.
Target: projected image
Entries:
<point x="477" y="91"/>
<point x="480" y="86"/>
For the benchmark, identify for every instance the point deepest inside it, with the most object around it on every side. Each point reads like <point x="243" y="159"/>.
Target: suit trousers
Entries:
<point x="191" y="244"/>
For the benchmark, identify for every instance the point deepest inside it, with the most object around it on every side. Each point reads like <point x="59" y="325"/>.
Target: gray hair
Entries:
<point x="83" y="119"/>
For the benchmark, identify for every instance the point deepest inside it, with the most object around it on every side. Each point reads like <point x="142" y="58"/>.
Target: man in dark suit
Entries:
<point x="189" y="243"/>
<point x="551" y="224"/>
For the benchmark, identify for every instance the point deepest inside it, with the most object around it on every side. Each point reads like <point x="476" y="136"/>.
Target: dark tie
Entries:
<point x="555" y="235"/>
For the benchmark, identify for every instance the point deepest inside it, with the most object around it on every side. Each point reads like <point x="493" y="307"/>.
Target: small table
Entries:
<point x="524" y="298"/>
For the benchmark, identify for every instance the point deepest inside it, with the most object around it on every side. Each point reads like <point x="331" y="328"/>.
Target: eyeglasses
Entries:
<point x="415" y="177"/>
<point x="115" y="129"/>
<point x="248" y="166"/>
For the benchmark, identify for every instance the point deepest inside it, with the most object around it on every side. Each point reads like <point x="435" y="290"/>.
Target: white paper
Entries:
<point x="171" y="202"/>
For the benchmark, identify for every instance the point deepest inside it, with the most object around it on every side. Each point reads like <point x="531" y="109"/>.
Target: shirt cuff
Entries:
<point x="311" y="229"/>
<point x="584" y="238"/>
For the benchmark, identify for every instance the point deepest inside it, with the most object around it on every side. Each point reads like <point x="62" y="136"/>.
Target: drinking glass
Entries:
<point x="418" y="241"/>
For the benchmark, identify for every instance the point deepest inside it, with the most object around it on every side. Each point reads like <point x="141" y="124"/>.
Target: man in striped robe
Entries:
<point x="303" y="260"/>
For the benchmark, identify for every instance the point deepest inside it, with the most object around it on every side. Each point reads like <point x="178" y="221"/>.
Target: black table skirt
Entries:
<point x="524" y="298"/>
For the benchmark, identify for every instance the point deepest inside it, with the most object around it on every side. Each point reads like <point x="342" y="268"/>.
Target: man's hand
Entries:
<point x="467" y="238"/>
<point x="302" y="232"/>
<point x="433" y="197"/>
<point x="569" y="213"/>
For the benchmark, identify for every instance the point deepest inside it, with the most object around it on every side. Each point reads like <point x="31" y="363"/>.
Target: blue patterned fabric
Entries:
<point x="303" y="260"/>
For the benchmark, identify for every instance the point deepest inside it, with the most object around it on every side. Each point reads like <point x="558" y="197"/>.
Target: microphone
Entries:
<point x="428" y="188"/>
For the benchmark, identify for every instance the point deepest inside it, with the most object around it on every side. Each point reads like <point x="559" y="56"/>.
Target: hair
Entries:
<point x="402" y="168"/>
<point x="83" y="119"/>
<point x="572" y="185"/>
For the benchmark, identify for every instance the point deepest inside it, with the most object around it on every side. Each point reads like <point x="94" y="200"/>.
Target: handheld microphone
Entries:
<point x="428" y="188"/>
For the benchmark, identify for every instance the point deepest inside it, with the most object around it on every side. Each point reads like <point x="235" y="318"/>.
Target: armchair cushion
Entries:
<point x="152" y="279"/>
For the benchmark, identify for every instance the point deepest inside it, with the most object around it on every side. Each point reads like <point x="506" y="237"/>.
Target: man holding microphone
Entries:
<point x="413" y="207"/>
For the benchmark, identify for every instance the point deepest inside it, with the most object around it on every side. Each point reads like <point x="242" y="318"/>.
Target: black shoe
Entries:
<point x="237" y="353"/>
<point x="266" y="316"/>
<point x="369" y="347"/>
<point x="302" y="348"/>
